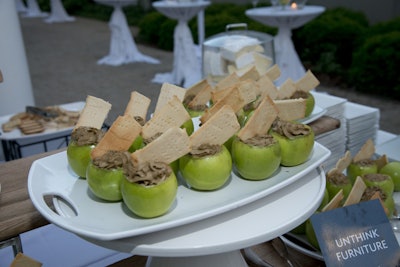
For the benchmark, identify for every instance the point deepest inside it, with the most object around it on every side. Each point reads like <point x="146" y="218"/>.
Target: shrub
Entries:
<point x="375" y="65"/>
<point x="327" y="43"/>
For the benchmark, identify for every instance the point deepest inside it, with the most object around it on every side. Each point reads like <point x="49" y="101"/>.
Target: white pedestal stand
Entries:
<point x="58" y="13"/>
<point x="123" y="49"/>
<point x="33" y="10"/>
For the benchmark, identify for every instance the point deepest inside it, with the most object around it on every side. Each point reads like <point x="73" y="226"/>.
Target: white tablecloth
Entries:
<point x="123" y="49"/>
<point x="187" y="65"/>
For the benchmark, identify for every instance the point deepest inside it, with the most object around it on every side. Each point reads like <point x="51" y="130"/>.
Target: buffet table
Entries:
<point x="123" y="49"/>
<point x="286" y="20"/>
<point x="186" y="65"/>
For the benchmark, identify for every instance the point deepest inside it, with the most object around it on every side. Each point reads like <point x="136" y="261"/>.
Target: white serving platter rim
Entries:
<point x="17" y="135"/>
<point x="317" y="113"/>
<point x="91" y="217"/>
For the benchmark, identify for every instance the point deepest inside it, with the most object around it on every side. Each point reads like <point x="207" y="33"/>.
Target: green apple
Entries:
<point x="150" y="201"/>
<point x="360" y="168"/>
<point x="105" y="183"/>
<point x="206" y="173"/>
<point x="393" y="170"/>
<point x="310" y="104"/>
<point x="137" y="144"/>
<point x="336" y="182"/>
<point x="79" y="158"/>
<point x="256" y="162"/>
<point x="195" y="113"/>
<point x="311" y="236"/>
<point x="325" y="200"/>
<point x="388" y="201"/>
<point x="382" y="181"/>
<point x="175" y="166"/>
<point x="188" y="126"/>
<point x="295" y="150"/>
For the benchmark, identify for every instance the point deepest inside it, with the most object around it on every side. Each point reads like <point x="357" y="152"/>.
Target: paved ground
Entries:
<point x="62" y="60"/>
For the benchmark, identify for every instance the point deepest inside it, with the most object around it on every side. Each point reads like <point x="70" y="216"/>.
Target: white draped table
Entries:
<point x="58" y="13"/>
<point x="123" y="49"/>
<point x="286" y="20"/>
<point x="186" y="65"/>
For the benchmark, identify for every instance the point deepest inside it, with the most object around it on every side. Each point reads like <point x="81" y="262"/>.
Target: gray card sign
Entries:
<point x="357" y="235"/>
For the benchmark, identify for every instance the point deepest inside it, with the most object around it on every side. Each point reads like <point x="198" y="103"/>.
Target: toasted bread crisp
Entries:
<point x="248" y="90"/>
<point x="119" y="137"/>
<point x="251" y="74"/>
<point x="266" y="87"/>
<point x="291" y="109"/>
<point x="356" y="192"/>
<point x="308" y="82"/>
<point x="171" y="114"/>
<point x="341" y="164"/>
<point x="94" y="113"/>
<point x="218" y="129"/>
<point x="197" y="88"/>
<point x="335" y="201"/>
<point x="261" y="120"/>
<point x="366" y="151"/>
<point x="274" y="72"/>
<point x="202" y="98"/>
<point x="138" y="106"/>
<point x="167" y="92"/>
<point x="168" y="147"/>
<point x="233" y="99"/>
<point x="287" y="89"/>
<point x="227" y="81"/>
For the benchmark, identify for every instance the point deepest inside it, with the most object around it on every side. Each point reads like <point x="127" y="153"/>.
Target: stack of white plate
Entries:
<point x="334" y="140"/>
<point x="362" y="124"/>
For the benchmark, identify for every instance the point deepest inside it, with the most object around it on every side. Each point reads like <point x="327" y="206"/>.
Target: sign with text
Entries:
<point x="357" y="235"/>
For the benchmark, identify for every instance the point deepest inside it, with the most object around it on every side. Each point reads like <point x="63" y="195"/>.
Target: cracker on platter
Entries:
<point x="119" y="137"/>
<point x="266" y="87"/>
<point x="197" y="88"/>
<point x="291" y="109"/>
<point x="138" y="105"/>
<point x="252" y="74"/>
<point x="227" y="81"/>
<point x="218" y="129"/>
<point x="274" y="72"/>
<point x="287" y="89"/>
<point x="308" y="82"/>
<point x="233" y="98"/>
<point x="167" y="92"/>
<point x="171" y="114"/>
<point x="201" y="98"/>
<point x="94" y="113"/>
<point x="171" y="145"/>
<point x="341" y="164"/>
<point x="335" y="201"/>
<point x="261" y="120"/>
<point x="366" y="151"/>
<point x="356" y="192"/>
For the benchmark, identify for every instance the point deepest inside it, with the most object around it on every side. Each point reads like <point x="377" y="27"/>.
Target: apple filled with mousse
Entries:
<point x="86" y="134"/>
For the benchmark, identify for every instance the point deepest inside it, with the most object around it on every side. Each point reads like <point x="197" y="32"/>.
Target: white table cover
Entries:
<point x="186" y="64"/>
<point x="58" y="13"/>
<point x="123" y="49"/>
<point x="286" y="20"/>
<point x="33" y="10"/>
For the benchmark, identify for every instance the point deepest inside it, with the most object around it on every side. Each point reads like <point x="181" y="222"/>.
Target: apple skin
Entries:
<point x="195" y="113"/>
<point x="188" y="126"/>
<point x="206" y="173"/>
<point x="150" y="201"/>
<point x="136" y="144"/>
<point x="297" y="150"/>
<point x="253" y="162"/>
<point x="393" y="170"/>
<point x="311" y="236"/>
<point x="79" y="158"/>
<point x="310" y="104"/>
<point x="356" y="169"/>
<point x="105" y="184"/>
<point x="333" y="188"/>
<point x="386" y="185"/>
